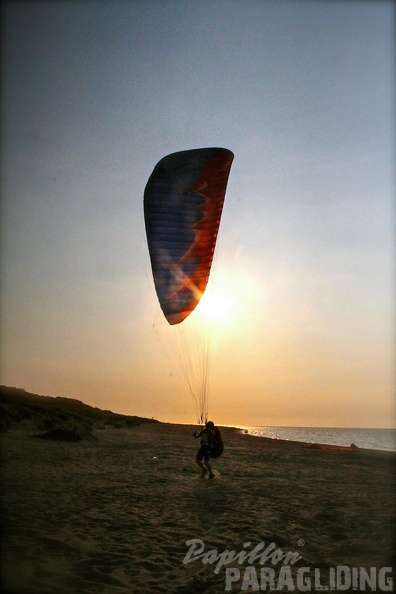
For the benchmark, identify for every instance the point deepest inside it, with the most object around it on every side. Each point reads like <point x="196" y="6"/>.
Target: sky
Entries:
<point x="94" y="94"/>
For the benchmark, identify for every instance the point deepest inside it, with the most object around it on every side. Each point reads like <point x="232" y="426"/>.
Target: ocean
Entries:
<point x="374" y="439"/>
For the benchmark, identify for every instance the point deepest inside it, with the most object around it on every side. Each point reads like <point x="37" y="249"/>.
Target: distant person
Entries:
<point x="211" y="447"/>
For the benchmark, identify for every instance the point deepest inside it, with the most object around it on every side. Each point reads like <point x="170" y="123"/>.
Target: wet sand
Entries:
<point x="113" y="514"/>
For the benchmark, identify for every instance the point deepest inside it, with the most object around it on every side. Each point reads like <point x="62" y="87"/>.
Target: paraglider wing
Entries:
<point x="183" y="202"/>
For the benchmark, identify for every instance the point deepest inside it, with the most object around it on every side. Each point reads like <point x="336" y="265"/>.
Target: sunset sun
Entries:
<point x="217" y="305"/>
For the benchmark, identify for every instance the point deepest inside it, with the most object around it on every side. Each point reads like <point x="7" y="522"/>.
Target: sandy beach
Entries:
<point x="113" y="514"/>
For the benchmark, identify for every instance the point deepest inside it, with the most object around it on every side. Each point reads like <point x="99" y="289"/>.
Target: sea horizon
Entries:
<point x="367" y="438"/>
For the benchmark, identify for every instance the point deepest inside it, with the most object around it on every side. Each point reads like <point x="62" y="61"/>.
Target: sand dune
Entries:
<point x="113" y="514"/>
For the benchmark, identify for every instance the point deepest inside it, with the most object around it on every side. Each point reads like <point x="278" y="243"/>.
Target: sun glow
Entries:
<point x="223" y="305"/>
<point x="216" y="305"/>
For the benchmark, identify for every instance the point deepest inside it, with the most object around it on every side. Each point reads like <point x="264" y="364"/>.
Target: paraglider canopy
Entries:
<point x="183" y="202"/>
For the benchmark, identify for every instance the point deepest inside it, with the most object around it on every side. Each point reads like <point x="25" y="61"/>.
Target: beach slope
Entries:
<point x="113" y="514"/>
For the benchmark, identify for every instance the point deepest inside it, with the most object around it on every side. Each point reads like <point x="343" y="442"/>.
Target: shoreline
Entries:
<point x="241" y="431"/>
<point x="309" y="443"/>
